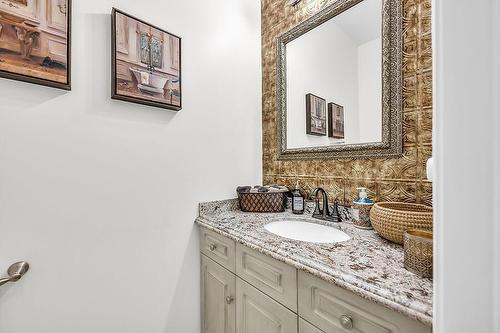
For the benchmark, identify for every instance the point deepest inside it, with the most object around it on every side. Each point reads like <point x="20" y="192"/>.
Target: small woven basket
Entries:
<point x="268" y="202"/>
<point x="391" y="219"/>
<point x="418" y="252"/>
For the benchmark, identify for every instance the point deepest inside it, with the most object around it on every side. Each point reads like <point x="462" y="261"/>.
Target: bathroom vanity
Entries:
<point x="254" y="281"/>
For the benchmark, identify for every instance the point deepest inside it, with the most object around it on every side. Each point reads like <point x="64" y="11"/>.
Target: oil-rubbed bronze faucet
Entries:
<point x="323" y="213"/>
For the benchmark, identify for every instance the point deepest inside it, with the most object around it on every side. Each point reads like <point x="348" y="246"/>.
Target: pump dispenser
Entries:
<point x="363" y="196"/>
<point x="361" y="210"/>
<point x="298" y="205"/>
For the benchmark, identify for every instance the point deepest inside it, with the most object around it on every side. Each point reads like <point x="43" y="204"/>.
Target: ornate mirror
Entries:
<point x="339" y="83"/>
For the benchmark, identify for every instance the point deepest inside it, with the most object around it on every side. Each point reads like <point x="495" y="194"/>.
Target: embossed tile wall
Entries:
<point x="400" y="179"/>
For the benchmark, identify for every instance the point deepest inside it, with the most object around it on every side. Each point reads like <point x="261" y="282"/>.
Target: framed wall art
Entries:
<point x="146" y="63"/>
<point x="315" y="115"/>
<point x="336" y="121"/>
<point x="35" y="41"/>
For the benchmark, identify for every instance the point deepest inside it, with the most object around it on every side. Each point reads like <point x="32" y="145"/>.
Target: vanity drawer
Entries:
<point x="218" y="248"/>
<point x="336" y="310"/>
<point x="272" y="277"/>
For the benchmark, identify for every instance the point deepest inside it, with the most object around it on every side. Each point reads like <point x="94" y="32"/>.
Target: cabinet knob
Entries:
<point x="229" y="300"/>
<point x="212" y="247"/>
<point x="346" y="322"/>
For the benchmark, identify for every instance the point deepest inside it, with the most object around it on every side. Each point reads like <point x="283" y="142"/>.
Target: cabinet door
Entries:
<point x="305" y="327"/>
<point x="258" y="313"/>
<point x="217" y="298"/>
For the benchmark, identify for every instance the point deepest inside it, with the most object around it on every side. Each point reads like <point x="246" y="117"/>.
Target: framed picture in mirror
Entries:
<point x="315" y="115"/>
<point x="336" y="121"/>
<point x="146" y="63"/>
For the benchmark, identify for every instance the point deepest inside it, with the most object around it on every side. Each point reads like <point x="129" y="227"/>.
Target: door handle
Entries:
<point x="15" y="272"/>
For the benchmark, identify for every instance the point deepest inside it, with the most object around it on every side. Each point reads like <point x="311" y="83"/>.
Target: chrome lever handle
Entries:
<point x="15" y="272"/>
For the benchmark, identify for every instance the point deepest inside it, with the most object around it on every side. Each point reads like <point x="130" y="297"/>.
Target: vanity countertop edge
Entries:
<point x="410" y="296"/>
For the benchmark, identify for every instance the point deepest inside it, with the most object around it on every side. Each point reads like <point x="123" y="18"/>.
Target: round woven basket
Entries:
<point x="391" y="219"/>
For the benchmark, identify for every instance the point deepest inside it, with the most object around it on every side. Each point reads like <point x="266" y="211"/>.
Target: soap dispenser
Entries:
<point x="298" y="205"/>
<point x="361" y="210"/>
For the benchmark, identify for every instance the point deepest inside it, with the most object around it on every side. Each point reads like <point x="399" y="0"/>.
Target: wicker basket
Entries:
<point x="418" y="252"/>
<point x="268" y="202"/>
<point x="391" y="219"/>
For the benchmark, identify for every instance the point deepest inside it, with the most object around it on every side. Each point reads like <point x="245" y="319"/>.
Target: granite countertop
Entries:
<point x="367" y="265"/>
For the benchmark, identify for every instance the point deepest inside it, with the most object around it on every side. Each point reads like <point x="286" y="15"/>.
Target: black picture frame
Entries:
<point x="46" y="82"/>
<point x="115" y="93"/>
<point x="336" y="125"/>
<point x="312" y="116"/>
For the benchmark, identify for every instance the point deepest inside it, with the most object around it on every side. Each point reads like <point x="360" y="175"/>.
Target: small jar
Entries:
<point x="418" y="252"/>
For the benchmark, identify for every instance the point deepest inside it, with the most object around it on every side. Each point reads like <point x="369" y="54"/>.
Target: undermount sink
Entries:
<point x="306" y="231"/>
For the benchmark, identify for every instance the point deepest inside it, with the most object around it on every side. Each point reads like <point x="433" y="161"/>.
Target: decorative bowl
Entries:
<point x="392" y="219"/>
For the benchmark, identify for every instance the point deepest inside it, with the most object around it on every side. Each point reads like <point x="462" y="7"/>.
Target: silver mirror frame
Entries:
<point x="391" y="145"/>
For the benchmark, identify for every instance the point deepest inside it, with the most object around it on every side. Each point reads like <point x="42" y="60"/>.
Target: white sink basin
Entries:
<point x="307" y="232"/>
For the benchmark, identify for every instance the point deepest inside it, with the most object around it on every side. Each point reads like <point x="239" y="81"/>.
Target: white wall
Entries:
<point x="100" y="196"/>
<point x="466" y="148"/>
<point x="496" y="178"/>
<point x="322" y="62"/>
<point x="370" y="91"/>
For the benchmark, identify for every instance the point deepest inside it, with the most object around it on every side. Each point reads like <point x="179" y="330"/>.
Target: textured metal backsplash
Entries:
<point x="400" y="179"/>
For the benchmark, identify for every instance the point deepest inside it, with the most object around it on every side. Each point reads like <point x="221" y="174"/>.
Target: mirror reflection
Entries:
<point x="334" y="80"/>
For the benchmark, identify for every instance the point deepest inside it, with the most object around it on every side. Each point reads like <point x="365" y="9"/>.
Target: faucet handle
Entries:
<point x="335" y="215"/>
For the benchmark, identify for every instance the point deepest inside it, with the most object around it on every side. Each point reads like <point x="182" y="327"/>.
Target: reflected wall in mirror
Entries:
<point x="348" y="55"/>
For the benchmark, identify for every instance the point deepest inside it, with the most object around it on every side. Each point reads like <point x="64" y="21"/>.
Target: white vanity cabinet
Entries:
<point x="245" y="291"/>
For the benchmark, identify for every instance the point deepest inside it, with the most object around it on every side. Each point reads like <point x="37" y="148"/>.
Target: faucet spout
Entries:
<point x="323" y="212"/>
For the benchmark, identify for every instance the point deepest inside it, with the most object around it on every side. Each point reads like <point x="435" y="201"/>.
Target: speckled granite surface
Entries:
<point x="366" y="264"/>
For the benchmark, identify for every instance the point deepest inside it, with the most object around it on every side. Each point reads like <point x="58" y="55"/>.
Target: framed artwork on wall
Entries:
<point x="35" y="42"/>
<point x="315" y="115"/>
<point x="146" y="63"/>
<point x="336" y="121"/>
